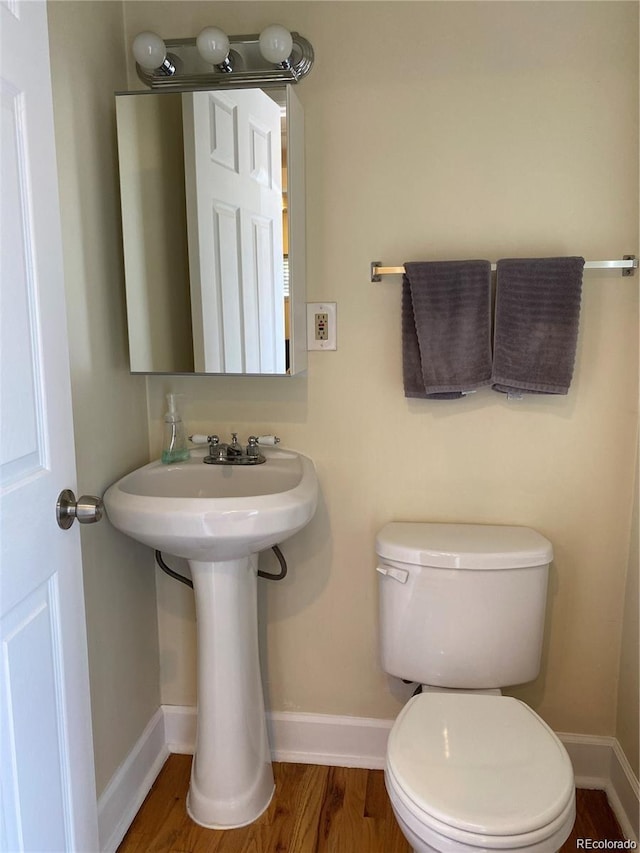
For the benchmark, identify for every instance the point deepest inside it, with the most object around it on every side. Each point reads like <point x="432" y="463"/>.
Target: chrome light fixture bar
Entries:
<point x="216" y="61"/>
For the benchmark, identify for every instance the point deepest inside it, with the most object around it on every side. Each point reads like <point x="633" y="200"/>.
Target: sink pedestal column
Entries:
<point x="231" y="776"/>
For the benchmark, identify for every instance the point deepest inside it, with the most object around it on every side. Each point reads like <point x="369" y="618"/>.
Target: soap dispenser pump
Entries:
<point x="174" y="448"/>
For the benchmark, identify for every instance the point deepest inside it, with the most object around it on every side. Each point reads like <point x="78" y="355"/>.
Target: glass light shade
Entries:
<point x="149" y="50"/>
<point x="213" y="45"/>
<point x="276" y="43"/>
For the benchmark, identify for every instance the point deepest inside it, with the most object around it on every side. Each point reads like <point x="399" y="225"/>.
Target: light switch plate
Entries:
<point x="321" y="325"/>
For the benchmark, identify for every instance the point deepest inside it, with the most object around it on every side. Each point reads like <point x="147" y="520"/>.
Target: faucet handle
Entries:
<point x="253" y="449"/>
<point x="197" y="438"/>
<point x="268" y="440"/>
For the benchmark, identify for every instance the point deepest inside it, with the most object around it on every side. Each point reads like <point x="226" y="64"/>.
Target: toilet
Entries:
<point x="462" y="609"/>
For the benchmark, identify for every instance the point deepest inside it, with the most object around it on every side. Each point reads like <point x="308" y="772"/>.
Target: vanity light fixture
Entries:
<point x="214" y="60"/>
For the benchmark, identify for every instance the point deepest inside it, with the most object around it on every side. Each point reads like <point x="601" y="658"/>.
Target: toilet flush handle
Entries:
<point x="397" y="574"/>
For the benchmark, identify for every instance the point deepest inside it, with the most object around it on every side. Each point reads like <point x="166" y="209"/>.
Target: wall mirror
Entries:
<point x="212" y="194"/>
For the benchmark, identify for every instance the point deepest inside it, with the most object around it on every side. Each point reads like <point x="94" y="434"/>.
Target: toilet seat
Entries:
<point x="480" y="771"/>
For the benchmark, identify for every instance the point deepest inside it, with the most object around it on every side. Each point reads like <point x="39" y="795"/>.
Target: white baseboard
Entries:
<point x="624" y="793"/>
<point x="180" y="728"/>
<point x="120" y="801"/>
<point x="299" y="738"/>
<point x="598" y="762"/>
<point x="326" y="739"/>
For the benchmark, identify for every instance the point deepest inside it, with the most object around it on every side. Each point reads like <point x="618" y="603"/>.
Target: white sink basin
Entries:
<point x="215" y="512"/>
<point x="219" y="517"/>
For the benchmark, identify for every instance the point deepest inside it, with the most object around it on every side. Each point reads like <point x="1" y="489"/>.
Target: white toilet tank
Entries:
<point x="462" y="605"/>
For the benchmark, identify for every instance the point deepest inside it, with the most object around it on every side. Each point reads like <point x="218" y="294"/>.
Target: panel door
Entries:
<point x="233" y="166"/>
<point x="46" y="750"/>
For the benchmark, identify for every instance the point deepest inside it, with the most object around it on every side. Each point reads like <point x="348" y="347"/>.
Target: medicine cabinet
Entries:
<point x="212" y="194"/>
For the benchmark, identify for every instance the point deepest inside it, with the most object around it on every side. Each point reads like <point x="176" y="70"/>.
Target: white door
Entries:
<point x="233" y="170"/>
<point x="46" y="750"/>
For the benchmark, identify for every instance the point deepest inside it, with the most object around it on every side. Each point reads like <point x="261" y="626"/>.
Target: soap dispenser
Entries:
<point x="174" y="448"/>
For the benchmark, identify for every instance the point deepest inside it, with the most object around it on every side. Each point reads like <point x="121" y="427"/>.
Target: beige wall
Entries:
<point x="154" y="227"/>
<point x="487" y="130"/>
<point x="109" y="405"/>
<point x="628" y="688"/>
<point x="492" y="130"/>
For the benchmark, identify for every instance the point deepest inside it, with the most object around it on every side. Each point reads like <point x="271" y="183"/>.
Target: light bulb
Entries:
<point x="149" y="50"/>
<point x="276" y="44"/>
<point x="213" y="45"/>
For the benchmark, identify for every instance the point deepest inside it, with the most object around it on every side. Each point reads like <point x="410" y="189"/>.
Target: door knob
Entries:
<point x="87" y="509"/>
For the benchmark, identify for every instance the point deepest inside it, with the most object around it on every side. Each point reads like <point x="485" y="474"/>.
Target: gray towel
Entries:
<point x="446" y="328"/>
<point x="536" y="325"/>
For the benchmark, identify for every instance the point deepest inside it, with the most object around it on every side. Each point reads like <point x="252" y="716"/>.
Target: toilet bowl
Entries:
<point x="468" y="769"/>
<point x="469" y="772"/>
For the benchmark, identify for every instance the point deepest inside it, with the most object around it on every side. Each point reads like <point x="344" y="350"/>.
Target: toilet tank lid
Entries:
<point x="463" y="546"/>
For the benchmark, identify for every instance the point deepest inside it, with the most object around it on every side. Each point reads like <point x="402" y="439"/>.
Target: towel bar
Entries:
<point x="628" y="266"/>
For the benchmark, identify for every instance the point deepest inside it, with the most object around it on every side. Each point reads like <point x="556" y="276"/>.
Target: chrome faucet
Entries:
<point x="234" y="449"/>
<point x="232" y="453"/>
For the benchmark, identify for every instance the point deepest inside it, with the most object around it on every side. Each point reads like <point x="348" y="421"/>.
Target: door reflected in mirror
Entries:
<point x="212" y="192"/>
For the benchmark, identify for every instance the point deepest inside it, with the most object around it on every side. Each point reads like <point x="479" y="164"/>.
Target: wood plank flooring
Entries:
<point x="315" y="810"/>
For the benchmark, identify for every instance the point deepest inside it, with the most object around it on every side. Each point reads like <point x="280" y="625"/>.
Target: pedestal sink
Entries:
<point x="219" y="518"/>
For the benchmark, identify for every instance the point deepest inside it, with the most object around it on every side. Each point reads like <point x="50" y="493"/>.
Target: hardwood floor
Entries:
<point x="315" y="810"/>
